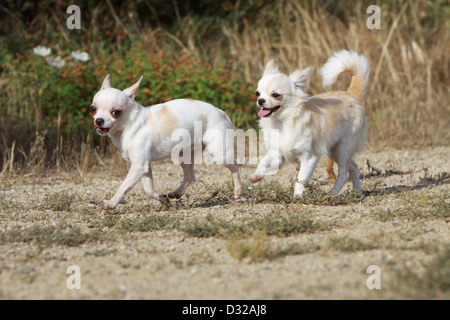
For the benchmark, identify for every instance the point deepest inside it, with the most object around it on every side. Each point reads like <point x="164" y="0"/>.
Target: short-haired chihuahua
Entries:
<point x="144" y="134"/>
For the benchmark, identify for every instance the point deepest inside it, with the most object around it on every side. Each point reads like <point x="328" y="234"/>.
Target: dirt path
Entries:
<point x="207" y="246"/>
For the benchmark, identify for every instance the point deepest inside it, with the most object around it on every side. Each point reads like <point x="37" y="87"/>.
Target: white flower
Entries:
<point x="80" y="56"/>
<point x="42" y="51"/>
<point x="56" y="62"/>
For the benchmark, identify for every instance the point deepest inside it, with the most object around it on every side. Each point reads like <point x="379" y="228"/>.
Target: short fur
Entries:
<point x="143" y="134"/>
<point x="330" y="124"/>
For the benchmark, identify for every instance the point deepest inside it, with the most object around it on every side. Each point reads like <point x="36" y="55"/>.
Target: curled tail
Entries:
<point x="347" y="61"/>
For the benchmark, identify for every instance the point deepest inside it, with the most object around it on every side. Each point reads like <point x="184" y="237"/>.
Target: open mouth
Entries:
<point x="267" y="112"/>
<point x="101" y="130"/>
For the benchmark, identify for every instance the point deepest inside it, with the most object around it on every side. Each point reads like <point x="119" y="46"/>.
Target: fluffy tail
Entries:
<point x="352" y="62"/>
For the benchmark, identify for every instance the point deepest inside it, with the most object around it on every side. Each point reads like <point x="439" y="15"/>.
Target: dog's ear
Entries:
<point x="106" y="83"/>
<point x="132" y="91"/>
<point x="300" y="76"/>
<point x="272" y="67"/>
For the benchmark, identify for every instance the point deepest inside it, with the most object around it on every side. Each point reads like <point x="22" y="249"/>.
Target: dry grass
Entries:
<point x="49" y="221"/>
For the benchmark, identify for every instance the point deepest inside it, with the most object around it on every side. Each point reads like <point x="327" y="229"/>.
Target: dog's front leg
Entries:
<point x="271" y="162"/>
<point x="309" y="163"/>
<point x="134" y="175"/>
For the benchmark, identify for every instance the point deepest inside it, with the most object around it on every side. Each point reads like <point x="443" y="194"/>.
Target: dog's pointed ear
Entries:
<point x="272" y="67"/>
<point x="132" y="91"/>
<point x="300" y="76"/>
<point x="106" y="83"/>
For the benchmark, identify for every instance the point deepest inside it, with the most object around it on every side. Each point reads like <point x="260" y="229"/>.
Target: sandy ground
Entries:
<point x="401" y="225"/>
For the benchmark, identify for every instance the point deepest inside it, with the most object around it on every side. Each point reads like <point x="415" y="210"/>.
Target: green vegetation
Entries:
<point x="270" y="225"/>
<point x="60" y="97"/>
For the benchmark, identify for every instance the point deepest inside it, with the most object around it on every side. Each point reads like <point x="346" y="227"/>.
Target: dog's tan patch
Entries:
<point x="168" y="118"/>
<point x="333" y="104"/>
<point x="92" y="113"/>
<point x="322" y="103"/>
<point x="278" y="84"/>
<point x="357" y="87"/>
<point x="163" y="122"/>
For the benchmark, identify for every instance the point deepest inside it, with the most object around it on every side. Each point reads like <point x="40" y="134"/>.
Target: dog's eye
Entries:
<point x="116" y="113"/>
<point x="93" y="110"/>
<point x="257" y="93"/>
<point x="276" y="95"/>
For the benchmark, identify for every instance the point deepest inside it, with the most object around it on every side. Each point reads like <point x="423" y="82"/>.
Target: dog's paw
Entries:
<point x="299" y="189"/>
<point x="174" y="195"/>
<point x="164" y="199"/>
<point x="108" y="205"/>
<point x="334" y="193"/>
<point x="255" y="178"/>
<point x="237" y="193"/>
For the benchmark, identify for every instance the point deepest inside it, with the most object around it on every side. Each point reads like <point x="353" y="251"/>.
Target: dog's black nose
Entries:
<point x="261" y="102"/>
<point x="99" y="122"/>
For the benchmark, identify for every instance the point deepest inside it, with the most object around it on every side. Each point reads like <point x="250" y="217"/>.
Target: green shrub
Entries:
<point x="40" y="92"/>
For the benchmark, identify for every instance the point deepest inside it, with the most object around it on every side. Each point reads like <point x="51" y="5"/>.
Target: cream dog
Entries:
<point x="330" y="124"/>
<point x="144" y="134"/>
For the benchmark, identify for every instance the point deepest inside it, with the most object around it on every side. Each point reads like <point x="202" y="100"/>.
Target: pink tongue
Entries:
<point x="264" y="112"/>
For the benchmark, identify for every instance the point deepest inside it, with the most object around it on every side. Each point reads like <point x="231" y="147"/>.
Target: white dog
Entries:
<point x="144" y="134"/>
<point x="330" y="124"/>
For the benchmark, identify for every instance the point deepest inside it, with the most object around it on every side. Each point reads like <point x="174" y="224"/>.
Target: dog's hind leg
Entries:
<point x="234" y="168"/>
<point x="147" y="180"/>
<point x="330" y="171"/>
<point x="354" y="175"/>
<point x="341" y="178"/>
<point x="231" y="164"/>
<point x="219" y="142"/>
<point x="189" y="177"/>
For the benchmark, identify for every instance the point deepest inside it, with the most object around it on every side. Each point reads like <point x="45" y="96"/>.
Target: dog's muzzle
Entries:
<point x="265" y="112"/>
<point x="98" y="123"/>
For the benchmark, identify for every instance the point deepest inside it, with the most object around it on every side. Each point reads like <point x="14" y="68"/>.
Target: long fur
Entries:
<point x="351" y="62"/>
<point x="329" y="124"/>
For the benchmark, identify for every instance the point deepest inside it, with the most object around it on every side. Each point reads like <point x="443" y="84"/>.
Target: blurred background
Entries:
<point x="213" y="51"/>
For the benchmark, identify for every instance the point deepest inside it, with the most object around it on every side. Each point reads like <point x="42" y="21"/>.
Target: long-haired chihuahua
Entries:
<point x="330" y="124"/>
